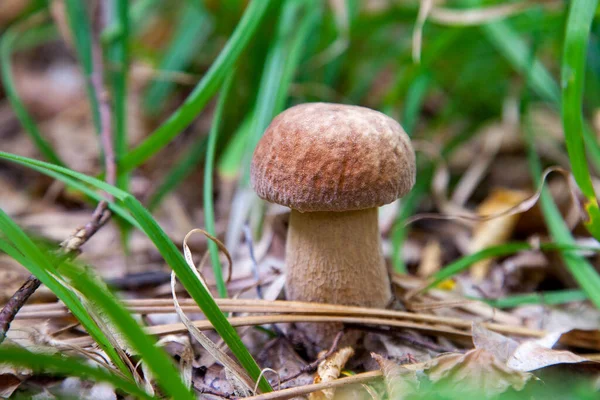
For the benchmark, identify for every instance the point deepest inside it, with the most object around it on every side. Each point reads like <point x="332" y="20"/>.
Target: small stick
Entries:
<point x="306" y="389"/>
<point x="14" y="304"/>
<point x="313" y="365"/>
<point x="211" y="392"/>
<point x="415" y="341"/>
<point x="70" y="247"/>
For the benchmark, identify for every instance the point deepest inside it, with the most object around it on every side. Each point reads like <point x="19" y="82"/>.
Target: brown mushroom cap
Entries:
<point x="333" y="157"/>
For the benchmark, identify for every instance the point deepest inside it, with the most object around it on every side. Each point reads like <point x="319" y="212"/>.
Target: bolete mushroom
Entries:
<point x="333" y="165"/>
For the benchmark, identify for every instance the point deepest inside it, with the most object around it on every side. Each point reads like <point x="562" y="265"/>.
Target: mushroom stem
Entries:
<point x="335" y="257"/>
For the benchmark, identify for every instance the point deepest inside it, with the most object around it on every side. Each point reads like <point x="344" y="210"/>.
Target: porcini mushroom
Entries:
<point x="333" y="165"/>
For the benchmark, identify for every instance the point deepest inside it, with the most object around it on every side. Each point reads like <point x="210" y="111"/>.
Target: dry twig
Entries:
<point x="69" y="248"/>
<point x="313" y="365"/>
<point x="303" y="390"/>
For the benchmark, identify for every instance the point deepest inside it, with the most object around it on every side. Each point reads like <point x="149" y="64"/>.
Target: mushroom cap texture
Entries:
<point x="333" y="157"/>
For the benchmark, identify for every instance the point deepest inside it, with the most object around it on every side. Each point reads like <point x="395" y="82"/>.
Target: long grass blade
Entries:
<point x="81" y="34"/>
<point x="205" y="89"/>
<point x="414" y="100"/>
<point x="118" y="58"/>
<point x="118" y="67"/>
<point x="515" y="50"/>
<point x="172" y="256"/>
<point x="7" y="43"/>
<point x="465" y="262"/>
<point x="179" y="171"/>
<point x="281" y="64"/>
<point x="209" y="209"/>
<point x="545" y="298"/>
<point x="583" y="272"/>
<point x="581" y="15"/>
<point x="193" y="30"/>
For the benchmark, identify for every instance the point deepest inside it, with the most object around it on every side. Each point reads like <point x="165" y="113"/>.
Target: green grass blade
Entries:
<point x="194" y="29"/>
<point x="465" y="262"/>
<point x="581" y="15"/>
<point x="462" y="264"/>
<point x="516" y="51"/>
<point x="280" y="65"/>
<point x="7" y="43"/>
<point x="412" y="108"/>
<point x="202" y="93"/>
<point x="583" y="272"/>
<point x="42" y="166"/>
<point x="117" y="209"/>
<point x="408" y="206"/>
<point x="67" y="366"/>
<point x="118" y="58"/>
<point x="230" y="161"/>
<point x="81" y="34"/>
<point x="296" y="49"/>
<point x="159" y="363"/>
<point x="40" y="265"/>
<point x="172" y="256"/>
<point x="414" y="101"/>
<point x="280" y="68"/>
<point x="209" y="209"/>
<point x="117" y="51"/>
<point x="546" y="298"/>
<point x="179" y="172"/>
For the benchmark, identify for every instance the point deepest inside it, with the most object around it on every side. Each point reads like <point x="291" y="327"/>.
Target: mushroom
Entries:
<point x="333" y="165"/>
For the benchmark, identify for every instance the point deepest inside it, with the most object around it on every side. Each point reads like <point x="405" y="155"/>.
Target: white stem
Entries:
<point x="335" y="257"/>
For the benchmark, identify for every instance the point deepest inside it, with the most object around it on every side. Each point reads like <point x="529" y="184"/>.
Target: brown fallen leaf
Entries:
<point x="431" y="259"/>
<point x="329" y="370"/>
<point x="499" y="345"/>
<point x="494" y="231"/>
<point x="476" y="371"/>
<point x="528" y="356"/>
<point x="9" y="381"/>
<point x="532" y="355"/>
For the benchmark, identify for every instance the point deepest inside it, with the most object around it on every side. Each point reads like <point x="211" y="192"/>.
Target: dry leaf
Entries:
<point x="531" y="356"/>
<point x="186" y="356"/>
<point x="329" y="370"/>
<point x="13" y="201"/>
<point x="494" y="231"/>
<point x="500" y="346"/>
<point x="400" y="382"/>
<point x="528" y="356"/>
<point x="11" y="378"/>
<point x="477" y="371"/>
<point x="431" y="259"/>
<point x="243" y="384"/>
<point x="9" y="382"/>
<point x="33" y="337"/>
